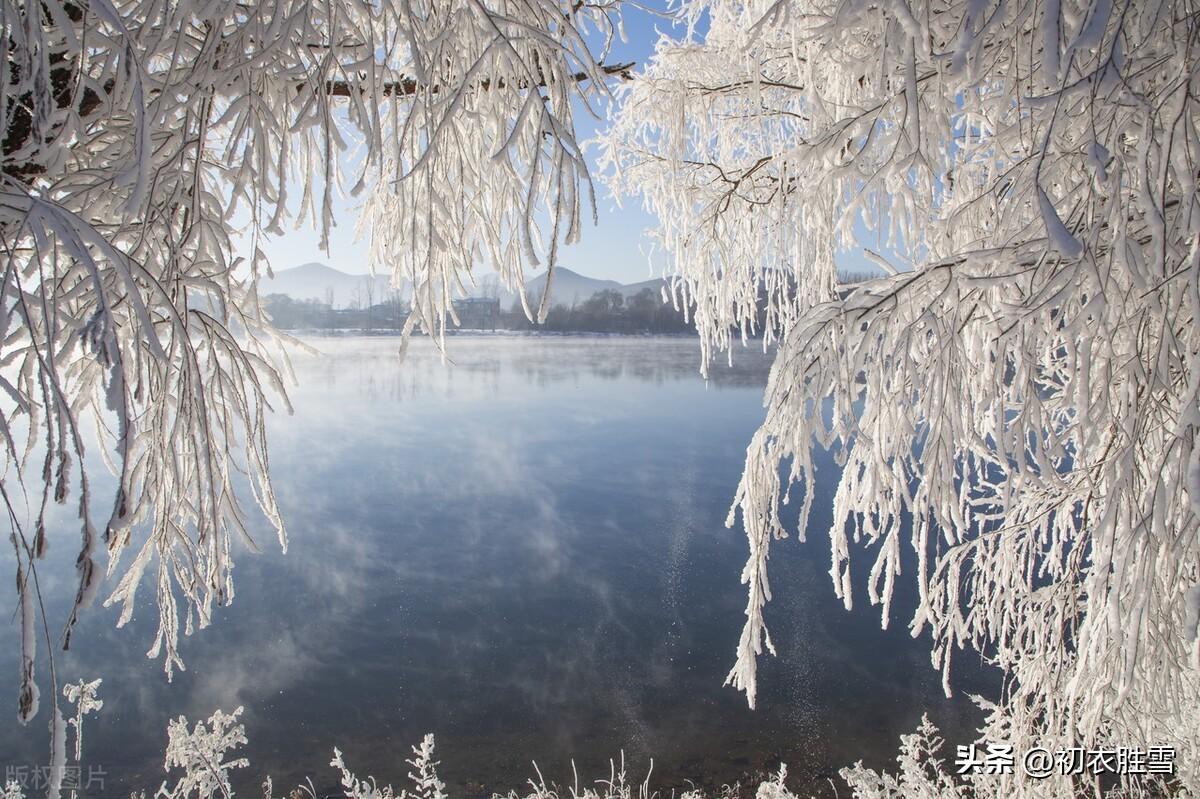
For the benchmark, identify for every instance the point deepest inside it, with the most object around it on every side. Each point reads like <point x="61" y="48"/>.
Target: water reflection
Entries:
<point x="523" y="553"/>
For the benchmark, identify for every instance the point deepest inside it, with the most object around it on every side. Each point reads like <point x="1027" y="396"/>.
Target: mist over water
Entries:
<point x="523" y="552"/>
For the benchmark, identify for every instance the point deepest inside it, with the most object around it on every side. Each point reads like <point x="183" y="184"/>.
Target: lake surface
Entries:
<point x="524" y="553"/>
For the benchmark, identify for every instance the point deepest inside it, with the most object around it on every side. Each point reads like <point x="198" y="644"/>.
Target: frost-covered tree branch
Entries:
<point x="136" y="136"/>
<point x="1023" y="380"/>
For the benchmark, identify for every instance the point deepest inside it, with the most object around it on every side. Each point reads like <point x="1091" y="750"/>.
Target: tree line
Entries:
<point x="606" y="311"/>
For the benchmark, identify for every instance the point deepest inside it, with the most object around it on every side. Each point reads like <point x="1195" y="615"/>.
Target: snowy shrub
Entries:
<point x="200" y="752"/>
<point x="83" y="696"/>
<point x="426" y="784"/>
<point x="922" y="775"/>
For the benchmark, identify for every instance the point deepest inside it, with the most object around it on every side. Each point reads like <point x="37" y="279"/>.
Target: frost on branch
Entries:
<point x="1024" y="379"/>
<point x="135" y="137"/>
<point x="496" y="88"/>
<point x="201" y="753"/>
<point x="922" y="775"/>
<point x="426" y="784"/>
<point x="83" y="696"/>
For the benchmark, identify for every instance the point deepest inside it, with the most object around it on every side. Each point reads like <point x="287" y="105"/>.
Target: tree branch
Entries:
<point x="20" y="128"/>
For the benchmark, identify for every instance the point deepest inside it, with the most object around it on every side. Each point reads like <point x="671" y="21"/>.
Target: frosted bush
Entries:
<point x="921" y="775"/>
<point x="426" y="784"/>
<point x="200" y="752"/>
<point x="83" y="696"/>
<point x="205" y="753"/>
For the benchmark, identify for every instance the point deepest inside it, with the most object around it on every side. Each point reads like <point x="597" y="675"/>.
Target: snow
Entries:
<point x="1023" y="381"/>
<point x="126" y="304"/>
<point x="1023" y="384"/>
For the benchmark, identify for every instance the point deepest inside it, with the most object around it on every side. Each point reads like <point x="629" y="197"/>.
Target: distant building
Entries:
<point x="477" y="313"/>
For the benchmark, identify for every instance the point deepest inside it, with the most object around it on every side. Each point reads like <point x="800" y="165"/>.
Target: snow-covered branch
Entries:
<point x="1023" y="384"/>
<point x="136" y="136"/>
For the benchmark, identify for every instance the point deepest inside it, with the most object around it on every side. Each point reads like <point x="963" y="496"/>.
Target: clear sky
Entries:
<point x="614" y="248"/>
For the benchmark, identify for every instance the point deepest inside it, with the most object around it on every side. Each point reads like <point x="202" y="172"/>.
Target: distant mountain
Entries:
<point x="571" y="288"/>
<point x="568" y="288"/>
<point x="314" y="281"/>
<point x="654" y="284"/>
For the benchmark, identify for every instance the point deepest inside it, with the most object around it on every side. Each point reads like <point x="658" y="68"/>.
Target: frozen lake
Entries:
<point x="524" y="553"/>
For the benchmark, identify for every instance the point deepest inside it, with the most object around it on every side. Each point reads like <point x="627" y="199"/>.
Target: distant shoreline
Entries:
<point x="499" y="333"/>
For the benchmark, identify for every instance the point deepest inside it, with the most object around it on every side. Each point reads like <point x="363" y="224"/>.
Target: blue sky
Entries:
<point x="614" y="248"/>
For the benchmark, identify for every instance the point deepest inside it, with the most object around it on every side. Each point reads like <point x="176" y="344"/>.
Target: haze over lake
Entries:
<point x="524" y="553"/>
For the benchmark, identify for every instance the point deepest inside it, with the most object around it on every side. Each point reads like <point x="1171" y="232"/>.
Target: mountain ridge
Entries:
<point x="315" y="280"/>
